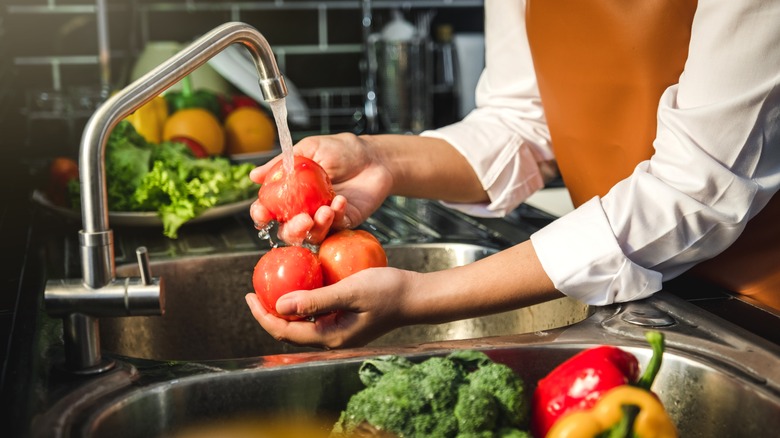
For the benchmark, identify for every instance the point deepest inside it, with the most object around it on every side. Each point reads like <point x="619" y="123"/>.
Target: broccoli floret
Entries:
<point x="502" y="382"/>
<point x="400" y="402"/>
<point x="511" y="432"/>
<point x="462" y="395"/>
<point x="476" y="411"/>
<point x="483" y="434"/>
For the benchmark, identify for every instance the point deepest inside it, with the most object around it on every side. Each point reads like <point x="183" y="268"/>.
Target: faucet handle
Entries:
<point x="143" y="265"/>
<point x="142" y="295"/>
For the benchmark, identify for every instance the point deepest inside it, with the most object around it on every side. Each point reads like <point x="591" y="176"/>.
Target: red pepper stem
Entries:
<point x="656" y="340"/>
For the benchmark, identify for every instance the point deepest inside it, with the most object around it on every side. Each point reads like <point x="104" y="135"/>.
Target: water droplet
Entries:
<point x="264" y="232"/>
<point x="311" y="247"/>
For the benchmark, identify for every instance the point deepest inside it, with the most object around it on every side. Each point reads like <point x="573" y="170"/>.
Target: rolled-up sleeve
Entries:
<point x="505" y="139"/>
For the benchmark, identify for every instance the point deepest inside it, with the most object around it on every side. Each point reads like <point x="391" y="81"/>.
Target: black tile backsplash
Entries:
<point x="285" y="27"/>
<point x="183" y="26"/>
<point x="52" y="45"/>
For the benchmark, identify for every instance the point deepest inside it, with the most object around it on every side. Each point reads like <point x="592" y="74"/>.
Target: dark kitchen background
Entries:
<point x="51" y="76"/>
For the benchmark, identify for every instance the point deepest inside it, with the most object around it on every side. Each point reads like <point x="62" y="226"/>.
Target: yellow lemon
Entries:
<point x="249" y="129"/>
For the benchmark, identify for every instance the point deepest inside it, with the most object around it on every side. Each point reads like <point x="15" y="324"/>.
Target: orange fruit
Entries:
<point x="198" y="125"/>
<point x="249" y="129"/>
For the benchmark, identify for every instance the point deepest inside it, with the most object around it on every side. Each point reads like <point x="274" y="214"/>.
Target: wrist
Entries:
<point x="383" y="152"/>
<point x="411" y="306"/>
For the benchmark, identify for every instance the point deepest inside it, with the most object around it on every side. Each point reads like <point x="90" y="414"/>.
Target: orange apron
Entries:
<point x="602" y="66"/>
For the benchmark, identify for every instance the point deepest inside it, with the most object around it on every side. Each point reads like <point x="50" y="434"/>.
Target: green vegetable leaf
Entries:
<point x="372" y="370"/>
<point x="168" y="179"/>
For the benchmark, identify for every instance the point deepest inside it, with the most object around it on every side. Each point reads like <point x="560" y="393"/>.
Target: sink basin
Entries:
<point x="206" y="317"/>
<point x="715" y="380"/>
<point x="712" y="382"/>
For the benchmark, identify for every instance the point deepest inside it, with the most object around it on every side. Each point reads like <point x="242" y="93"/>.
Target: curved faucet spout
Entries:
<point x="96" y="240"/>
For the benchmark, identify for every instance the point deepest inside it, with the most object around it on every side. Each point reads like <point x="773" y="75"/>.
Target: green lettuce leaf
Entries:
<point x="168" y="179"/>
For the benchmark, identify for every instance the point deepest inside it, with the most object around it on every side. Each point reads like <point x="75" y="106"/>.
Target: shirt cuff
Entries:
<point x="506" y="167"/>
<point x="582" y="257"/>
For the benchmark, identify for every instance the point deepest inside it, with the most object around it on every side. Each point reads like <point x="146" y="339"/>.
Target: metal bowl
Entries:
<point x="206" y="317"/>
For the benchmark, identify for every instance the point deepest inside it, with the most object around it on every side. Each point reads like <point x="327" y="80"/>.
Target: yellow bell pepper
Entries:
<point x="149" y="119"/>
<point x="652" y="421"/>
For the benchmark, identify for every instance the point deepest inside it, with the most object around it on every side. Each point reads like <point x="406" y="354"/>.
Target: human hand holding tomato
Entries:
<point x="309" y="215"/>
<point x="286" y="269"/>
<point x="305" y="191"/>
<point x="296" y="199"/>
<point x="350" y="313"/>
<point x="356" y="175"/>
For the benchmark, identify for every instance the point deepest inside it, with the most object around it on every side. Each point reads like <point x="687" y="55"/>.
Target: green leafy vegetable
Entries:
<point x="464" y="394"/>
<point x="168" y="179"/>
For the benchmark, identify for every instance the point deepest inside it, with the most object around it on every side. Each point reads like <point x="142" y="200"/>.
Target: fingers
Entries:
<point x="316" y="334"/>
<point x="269" y="322"/>
<point x="340" y="219"/>
<point x="296" y="230"/>
<point x="258" y="311"/>
<point x="320" y="301"/>
<point x="257" y="175"/>
<point x="303" y="228"/>
<point x="347" y="313"/>
<point x="259" y="214"/>
<point x="323" y="219"/>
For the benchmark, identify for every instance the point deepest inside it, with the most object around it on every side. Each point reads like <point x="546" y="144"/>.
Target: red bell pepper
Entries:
<point x="578" y="383"/>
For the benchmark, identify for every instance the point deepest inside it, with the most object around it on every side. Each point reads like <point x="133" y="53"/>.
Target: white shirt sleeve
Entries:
<point x="716" y="165"/>
<point x="716" y="162"/>
<point x="505" y="139"/>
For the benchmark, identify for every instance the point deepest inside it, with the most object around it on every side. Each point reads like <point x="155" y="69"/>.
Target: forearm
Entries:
<point x="508" y="280"/>
<point x="425" y="167"/>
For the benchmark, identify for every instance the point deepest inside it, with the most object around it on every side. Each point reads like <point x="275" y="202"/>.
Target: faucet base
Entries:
<point x="101" y="367"/>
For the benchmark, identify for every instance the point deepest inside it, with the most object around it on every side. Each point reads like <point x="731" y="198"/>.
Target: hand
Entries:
<point x="366" y="305"/>
<point x="374" y="301"/>
<point x="302" y="227"/>
<point x="361" y="182"/>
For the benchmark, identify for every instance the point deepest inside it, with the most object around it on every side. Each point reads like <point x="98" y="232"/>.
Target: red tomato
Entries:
<point x="349" y="251"/>
<point x="308" y="189"/>
<point x="282" y="270"/>
<point x="61" y="171"/>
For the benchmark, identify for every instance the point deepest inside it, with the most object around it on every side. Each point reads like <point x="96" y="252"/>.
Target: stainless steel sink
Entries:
<point x="206" y="316"/>
<point x="207" y="368"/>
<point x="715" y="380"/>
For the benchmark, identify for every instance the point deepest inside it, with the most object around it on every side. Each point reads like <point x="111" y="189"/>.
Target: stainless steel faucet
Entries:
<point x="99" y="292"/>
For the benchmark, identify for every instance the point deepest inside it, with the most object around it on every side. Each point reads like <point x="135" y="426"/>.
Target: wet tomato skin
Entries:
<point x="308" y="189"/>
<point x="349" y="251"/>
<point x="282" y="270"/>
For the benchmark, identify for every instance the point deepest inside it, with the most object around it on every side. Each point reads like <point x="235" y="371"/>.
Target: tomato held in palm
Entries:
<point x="348" y="251"/>
<point x="305" y="191"/>
<point x="282" y="270"/>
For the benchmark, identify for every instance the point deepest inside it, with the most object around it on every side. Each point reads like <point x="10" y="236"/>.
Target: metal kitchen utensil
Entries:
<point x="403" y="72"/>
